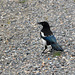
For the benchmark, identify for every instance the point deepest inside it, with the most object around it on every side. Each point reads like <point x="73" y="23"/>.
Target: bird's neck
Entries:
<point x="47" y="31"/>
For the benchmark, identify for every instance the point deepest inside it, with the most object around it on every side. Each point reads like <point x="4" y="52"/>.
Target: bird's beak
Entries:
<point x="38" y="23"/>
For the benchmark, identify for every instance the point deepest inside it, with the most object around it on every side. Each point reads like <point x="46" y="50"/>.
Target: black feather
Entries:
<point x="49" y="37"/>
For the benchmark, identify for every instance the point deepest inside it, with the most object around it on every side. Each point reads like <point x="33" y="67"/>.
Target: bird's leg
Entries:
<point x="44" y="49"/>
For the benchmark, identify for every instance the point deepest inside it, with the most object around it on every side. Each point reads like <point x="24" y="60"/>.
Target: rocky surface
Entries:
<point x="20" y="44"/>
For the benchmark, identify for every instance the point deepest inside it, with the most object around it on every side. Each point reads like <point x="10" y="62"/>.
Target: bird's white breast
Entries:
<point x="44" y="42"/>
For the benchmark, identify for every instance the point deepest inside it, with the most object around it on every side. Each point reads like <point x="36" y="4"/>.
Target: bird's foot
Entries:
<point x="44" y="52"/>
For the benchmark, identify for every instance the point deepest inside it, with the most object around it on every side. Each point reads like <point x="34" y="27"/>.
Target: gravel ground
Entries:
<point x="20" y="44"/>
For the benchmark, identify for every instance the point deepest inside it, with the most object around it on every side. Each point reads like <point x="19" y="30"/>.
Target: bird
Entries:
<point x="48" y="38"/>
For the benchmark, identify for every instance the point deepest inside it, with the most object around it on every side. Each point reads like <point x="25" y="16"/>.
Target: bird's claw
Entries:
<point x="44" y="52"/>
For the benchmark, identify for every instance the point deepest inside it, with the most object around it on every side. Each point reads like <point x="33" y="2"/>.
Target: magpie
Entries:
<point x="48" y="38"/>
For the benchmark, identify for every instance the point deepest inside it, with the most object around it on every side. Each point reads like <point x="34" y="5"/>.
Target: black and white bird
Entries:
<point x="48" y="38"/>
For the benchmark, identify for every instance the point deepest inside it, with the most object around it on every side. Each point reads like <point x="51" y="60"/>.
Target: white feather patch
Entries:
<point x="44" y="42"/>
<point x="42" y="34"/>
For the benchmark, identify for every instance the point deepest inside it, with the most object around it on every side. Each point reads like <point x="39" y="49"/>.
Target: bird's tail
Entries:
<point x="57" y="47"/>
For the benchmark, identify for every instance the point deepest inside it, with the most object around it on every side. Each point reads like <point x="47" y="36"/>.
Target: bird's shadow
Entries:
<point x="52" y="53"/>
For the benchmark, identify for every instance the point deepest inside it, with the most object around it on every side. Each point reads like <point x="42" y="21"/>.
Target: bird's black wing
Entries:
<point x="53" y="42"/>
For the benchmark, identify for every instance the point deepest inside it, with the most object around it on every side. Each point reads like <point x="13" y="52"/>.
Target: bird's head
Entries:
<point x="44" y="24"/>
